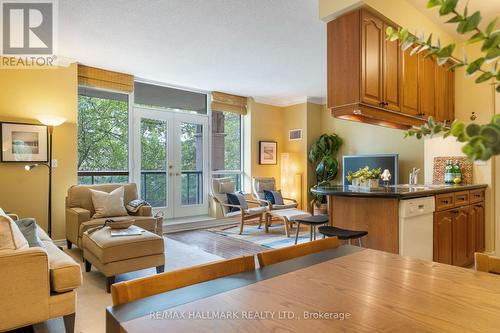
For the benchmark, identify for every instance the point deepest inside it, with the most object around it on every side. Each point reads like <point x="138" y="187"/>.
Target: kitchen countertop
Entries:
<point x="398" y="191"/>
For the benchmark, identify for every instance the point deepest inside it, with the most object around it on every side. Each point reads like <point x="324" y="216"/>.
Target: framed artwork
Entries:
<point x="24" y="142"/>
<point x="268" y="152"/>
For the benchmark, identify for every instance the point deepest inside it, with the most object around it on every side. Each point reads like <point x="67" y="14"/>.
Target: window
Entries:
<point x="226" y="146"/>
<point x="102" y="137"/>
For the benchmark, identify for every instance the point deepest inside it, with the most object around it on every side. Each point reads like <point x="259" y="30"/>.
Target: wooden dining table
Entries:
<point x="347" y="289"/>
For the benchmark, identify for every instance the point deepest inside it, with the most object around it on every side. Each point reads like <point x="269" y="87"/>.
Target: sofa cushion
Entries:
<point x="109" y="249"/>
<point x="43" y="235"/>
<point x="29" y="229"/>
<point x="79" y="195"/>
<point x="11" y="237"/>
<point x="108" y="204"/>
<point x="65" y="273"/>
<point x="238" y="199"/>
<point x="145" y="222"/>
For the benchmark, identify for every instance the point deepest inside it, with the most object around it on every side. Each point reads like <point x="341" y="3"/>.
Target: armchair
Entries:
<point x="269" y="184"/>
<point x="219" y="190"/>
<point x="80" y="209"/>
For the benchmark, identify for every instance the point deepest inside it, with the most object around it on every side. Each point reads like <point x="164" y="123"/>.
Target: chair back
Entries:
<point x="259" y="184"/>
<point x="79" y="195"/>
<point x="290" y="252"/>
<point x="220" y="188"/>
<point x="128" y="291"/>
<point x="486" y="263"/>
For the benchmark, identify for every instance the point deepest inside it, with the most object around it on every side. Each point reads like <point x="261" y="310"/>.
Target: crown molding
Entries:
<point x="284" y="102"/>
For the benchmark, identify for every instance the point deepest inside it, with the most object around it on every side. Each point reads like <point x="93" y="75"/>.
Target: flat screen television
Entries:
<point x="384" y="161"/>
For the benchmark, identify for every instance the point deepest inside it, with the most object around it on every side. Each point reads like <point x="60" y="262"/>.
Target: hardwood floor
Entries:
<point x="217" y="244"/>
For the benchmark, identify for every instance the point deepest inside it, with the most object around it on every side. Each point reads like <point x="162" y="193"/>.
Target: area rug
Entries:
<point x="276" y="238"/>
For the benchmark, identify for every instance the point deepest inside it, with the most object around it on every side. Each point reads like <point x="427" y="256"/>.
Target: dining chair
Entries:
<point x="221" y="187"/>
<point x="286" y="253"/>
<point x="486" y="263"/>
<point x="128" y="291"/>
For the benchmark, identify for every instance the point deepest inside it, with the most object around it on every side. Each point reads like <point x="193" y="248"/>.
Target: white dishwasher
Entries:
<point x="416" y="224"/>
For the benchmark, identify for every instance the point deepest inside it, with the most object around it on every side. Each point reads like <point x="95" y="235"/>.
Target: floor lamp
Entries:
<point x="50" y="122"/>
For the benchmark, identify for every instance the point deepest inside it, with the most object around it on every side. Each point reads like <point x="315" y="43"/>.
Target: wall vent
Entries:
<point x="294" y="134"/>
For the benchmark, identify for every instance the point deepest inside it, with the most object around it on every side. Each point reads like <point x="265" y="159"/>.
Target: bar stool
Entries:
<point x="342" y="234"/>
<point x="312" y="221"/>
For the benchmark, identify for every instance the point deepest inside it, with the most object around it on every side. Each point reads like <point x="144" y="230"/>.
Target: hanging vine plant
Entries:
<point x="481" y="142"/>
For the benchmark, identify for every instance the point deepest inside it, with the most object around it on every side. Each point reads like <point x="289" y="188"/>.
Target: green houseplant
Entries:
<point x="323" y="154"/>
<point x="481" y="142"/>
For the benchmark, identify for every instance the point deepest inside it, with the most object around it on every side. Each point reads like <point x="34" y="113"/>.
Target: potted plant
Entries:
<point x="481" y="142"/>
<point x="323" y="155"/>
<point x="365" y="177"/>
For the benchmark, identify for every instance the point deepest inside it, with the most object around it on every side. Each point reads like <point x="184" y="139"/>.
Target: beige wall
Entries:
<point x="26" y="94"/>
<point x="370" y="139"/>
<point x="266" y="124"/>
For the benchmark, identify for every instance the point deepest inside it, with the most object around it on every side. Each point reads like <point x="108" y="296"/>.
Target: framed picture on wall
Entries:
<point x="24" y="142"/>
<point x="268" y="152"/>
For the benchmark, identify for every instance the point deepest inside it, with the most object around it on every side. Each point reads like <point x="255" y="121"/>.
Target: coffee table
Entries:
<point x="285" y="215"/>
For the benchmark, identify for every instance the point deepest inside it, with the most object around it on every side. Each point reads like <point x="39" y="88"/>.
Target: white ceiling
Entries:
<point x="274" y="50"/>
<point x="489" y="10"/>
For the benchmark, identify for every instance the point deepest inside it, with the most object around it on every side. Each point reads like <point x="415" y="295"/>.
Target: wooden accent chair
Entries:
<point x="290" y="252"/>
<point x="219" y="190"/>
<point x="259" y="184"/>
<point x="128" y="291"/>
<point x="486" y="263"/>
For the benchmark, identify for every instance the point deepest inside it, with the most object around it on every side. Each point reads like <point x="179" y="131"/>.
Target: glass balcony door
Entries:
<point x="170" y="164"/>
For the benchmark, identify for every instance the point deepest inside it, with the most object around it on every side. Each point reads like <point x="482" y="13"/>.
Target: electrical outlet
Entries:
<point x="481" y="163"/>
<point x="54" y="163"/>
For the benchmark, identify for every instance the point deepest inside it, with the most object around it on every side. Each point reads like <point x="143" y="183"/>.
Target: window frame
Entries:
<point x="242" y="155"/>
<point x="128" y="173"/>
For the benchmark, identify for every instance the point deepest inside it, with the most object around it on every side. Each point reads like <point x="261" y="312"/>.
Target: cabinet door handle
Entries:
<point x="445" y="202"/>
<point x="454" y="211"/>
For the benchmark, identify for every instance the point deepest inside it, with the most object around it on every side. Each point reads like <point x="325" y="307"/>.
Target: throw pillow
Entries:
<point x="278" y="198"/>
<point x="28" y="228"/>
<point x="108" y="204"/>
<point x="268" y="196"/>
<point x="274" y="197"/>
<point x="236" y="198"/>
<point x="11" y="237"/>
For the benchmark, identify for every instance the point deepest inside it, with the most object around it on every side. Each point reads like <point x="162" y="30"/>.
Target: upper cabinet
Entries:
<point x="371" y="80"/>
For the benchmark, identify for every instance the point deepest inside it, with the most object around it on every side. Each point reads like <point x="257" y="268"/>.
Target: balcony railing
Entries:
<point x="153" y="184"/>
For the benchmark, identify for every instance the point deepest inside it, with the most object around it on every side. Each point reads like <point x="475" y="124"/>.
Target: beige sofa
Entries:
<point x="79" y="211"/>
<point x="37" y="284"/>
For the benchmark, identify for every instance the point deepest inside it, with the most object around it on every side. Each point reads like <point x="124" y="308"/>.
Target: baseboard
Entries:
<point x="171" y="228"/>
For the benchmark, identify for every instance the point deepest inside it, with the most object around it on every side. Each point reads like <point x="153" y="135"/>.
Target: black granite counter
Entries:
<point x="398" y="191"/>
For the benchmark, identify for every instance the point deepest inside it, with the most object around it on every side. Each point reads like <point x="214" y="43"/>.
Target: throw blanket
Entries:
<point x="134" y="205"/>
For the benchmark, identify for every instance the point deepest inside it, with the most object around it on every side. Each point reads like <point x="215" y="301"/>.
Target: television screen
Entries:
<point x="384" y="161"/>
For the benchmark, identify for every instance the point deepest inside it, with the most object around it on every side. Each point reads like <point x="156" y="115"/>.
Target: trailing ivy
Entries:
<point x="481" y="141"/>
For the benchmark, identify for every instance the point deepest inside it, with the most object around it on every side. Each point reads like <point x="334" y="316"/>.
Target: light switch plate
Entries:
<point x="54" y="163"/>
<point x="480" y="163"/>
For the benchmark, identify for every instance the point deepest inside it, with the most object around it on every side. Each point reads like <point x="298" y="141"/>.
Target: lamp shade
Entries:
<point x="51" y="120"/>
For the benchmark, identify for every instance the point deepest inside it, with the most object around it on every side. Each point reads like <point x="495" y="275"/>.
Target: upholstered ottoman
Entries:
<point x="122" y="254"/>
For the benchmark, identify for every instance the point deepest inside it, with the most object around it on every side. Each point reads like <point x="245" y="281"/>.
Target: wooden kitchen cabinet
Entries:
<point x="443" y="249"/>
<point x="477" y="220"/>
<point x="372" y="29"/>
<point x="458" y="231"/>
<point x="445" y="94"/>
<point x="426" y="86"/>
<point x="370" y="80"/>
<point x="462" y="229"/>
<point x="409" y="83"/>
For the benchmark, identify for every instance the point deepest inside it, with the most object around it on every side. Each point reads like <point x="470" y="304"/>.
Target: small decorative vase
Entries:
<point x="355" y="182"/>
<point x="374" y="183"/>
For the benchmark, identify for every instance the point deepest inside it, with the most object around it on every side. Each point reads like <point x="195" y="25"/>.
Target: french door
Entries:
<point x="171" y="161"/>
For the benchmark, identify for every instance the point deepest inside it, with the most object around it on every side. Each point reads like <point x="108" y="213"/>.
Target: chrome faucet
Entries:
<point x="413" y="179"/>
